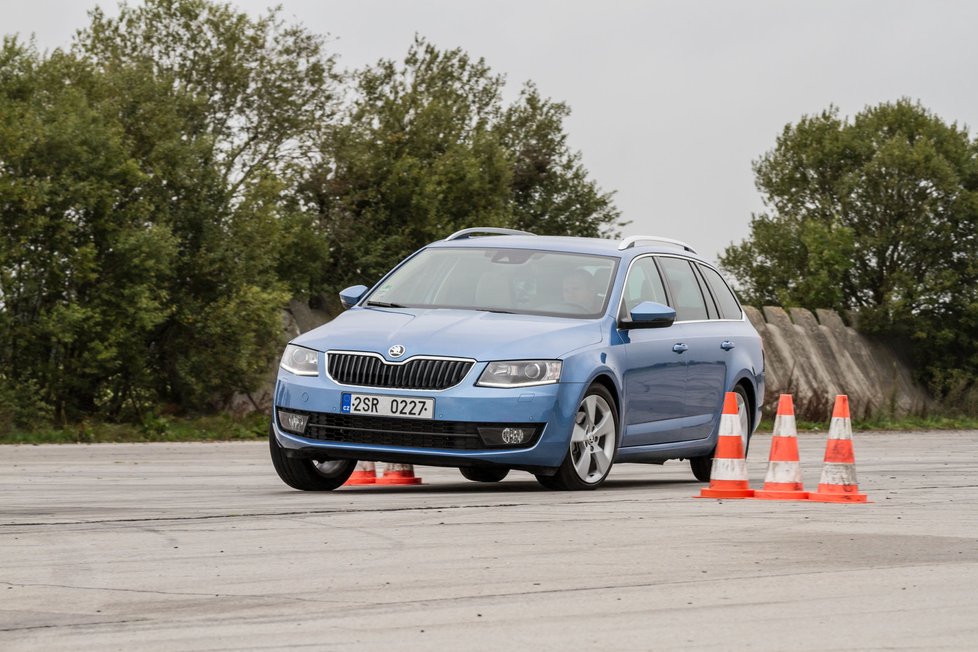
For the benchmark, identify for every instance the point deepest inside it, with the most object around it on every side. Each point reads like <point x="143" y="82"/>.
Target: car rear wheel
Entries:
<point x="703" y="465"/>
<point x="483" y="474"/>
<point x="593" y="443"/>
<point x="307" y="474"/>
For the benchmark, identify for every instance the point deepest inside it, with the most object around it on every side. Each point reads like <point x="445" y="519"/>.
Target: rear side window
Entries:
<point x="729" y="308"/>
<point x="687" y="298"/>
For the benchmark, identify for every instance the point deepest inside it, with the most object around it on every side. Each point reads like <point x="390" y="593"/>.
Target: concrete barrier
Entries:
<point x="816" y="356"/>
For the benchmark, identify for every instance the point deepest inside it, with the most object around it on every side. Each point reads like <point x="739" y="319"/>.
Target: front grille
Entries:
<point x="419" y="373"/>
<point x="392" y="431"/>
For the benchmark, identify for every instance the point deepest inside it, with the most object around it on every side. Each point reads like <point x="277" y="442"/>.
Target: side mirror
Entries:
<point x="650" y="314"/>
<point x="351" y="295"/>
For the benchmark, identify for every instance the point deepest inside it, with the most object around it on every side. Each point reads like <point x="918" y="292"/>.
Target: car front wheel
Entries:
<point x="593" y="443"/>
<point x="307" y="474"/>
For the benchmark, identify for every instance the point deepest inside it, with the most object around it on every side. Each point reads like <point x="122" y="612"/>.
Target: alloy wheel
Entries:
<point x="592" y="446"/>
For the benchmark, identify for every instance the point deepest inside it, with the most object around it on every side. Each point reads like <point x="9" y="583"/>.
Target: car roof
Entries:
<point x="567" y="244"/>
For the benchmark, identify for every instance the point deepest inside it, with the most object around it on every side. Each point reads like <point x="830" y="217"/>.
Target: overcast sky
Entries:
<point x="671" y="101"/>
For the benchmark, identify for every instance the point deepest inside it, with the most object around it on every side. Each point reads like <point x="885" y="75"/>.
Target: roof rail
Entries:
<point x="488" y="230"/>
<point x="632" y="240"/>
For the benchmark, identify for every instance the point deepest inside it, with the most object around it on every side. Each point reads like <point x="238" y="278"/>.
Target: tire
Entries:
<point x="593" y="443"/>
<point x="549" y="482"/>
<point x="307" y="474"/>
<point x="483" y="474"/>
<point x="702" y="466"/>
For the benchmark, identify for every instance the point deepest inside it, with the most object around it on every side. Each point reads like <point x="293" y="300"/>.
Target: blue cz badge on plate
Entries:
<point x="345" y="404"/>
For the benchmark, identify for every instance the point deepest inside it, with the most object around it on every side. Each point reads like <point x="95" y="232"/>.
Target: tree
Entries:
<point x="147" y="183"/>
<point x="223" y="111"/>
<point x="427" y="147"/>
<point x="261" y="89"/>
<point x="878" y="215"/>
<point x="550" y="190"/>
<point x="80" y="266"/>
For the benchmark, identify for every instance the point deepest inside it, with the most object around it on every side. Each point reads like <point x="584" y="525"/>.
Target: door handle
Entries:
<point x="726" y="345"/>
<point x="679" y="348"/>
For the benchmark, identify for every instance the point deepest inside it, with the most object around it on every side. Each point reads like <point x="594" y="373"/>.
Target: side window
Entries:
<point x="729" y="308"/>
<point x="643" y="284"/>
<point x="688" y="300"/>
<point x="712" y="311"/>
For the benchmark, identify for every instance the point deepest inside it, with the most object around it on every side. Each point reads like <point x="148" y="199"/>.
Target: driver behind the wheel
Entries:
<point x="578" y="289"/>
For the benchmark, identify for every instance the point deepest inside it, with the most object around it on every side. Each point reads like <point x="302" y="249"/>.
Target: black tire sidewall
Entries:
<point x="301" y="473"/>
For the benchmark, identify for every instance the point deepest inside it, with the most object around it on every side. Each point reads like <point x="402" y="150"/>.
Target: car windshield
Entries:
<point x="521" y="281"/>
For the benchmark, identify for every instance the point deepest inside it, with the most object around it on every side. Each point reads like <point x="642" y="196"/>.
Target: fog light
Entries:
<point x="514" y="435"/>
<point x="507" y="436"/>
<point x="292" y="422"/>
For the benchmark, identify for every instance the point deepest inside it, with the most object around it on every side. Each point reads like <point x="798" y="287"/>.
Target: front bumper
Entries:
<point x="452" y="438"/>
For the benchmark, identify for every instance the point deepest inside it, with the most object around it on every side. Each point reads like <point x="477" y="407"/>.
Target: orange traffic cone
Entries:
<point x="398" y="474"/>
<point x="365" y="473"/>
<point x="838" y="482"/>
<point x="728" y="476"/>
<point x="783" y="479"/>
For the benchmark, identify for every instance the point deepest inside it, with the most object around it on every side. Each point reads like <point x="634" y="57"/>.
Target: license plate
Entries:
<point x="389" y="406"/>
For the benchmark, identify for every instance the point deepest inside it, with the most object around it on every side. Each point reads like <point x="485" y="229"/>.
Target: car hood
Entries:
<point x="458" y="333"/>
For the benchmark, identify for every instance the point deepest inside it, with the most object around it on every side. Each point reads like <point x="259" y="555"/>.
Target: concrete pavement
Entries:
<point x="200" y="546"/>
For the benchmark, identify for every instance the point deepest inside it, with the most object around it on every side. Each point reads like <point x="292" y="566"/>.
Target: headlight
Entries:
<point x="520" y="373"/>
<point x="300" y="361"/>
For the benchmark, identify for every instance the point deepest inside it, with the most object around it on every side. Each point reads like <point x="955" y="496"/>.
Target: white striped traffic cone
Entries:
<point x="783" y="479"/>
<point x="364" y="473"/>
<point x="728" y="476"/>
<point x="398" y="474"/>
<point x="838" y="482"/>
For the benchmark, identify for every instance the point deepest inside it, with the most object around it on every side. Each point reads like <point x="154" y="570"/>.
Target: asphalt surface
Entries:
<point x="200" y="546"/>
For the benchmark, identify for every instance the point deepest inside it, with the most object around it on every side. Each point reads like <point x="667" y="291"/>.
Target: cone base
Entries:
<point x="360" y="482"/>
<point x="771" y="494"/>
<point x="725" y="493"/>
<point x="837" y="498"/>
<point x="398" y="480"/>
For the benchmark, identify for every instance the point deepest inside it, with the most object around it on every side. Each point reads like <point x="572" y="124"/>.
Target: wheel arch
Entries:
<point x="605" y="380"/>
<point x="751" y="400"/>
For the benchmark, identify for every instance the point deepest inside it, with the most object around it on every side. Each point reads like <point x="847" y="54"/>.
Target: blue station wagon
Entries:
<point x="494" y="350"/>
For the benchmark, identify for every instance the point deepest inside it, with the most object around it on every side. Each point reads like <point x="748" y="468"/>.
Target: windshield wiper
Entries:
<point x="384" y="304"/>
<point x="496" y="310"/>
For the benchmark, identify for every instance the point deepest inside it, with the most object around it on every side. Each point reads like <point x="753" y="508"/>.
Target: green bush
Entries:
<point x="21" y="407"/>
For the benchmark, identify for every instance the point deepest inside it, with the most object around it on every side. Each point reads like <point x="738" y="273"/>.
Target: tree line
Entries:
<point x="179" y="171"/>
